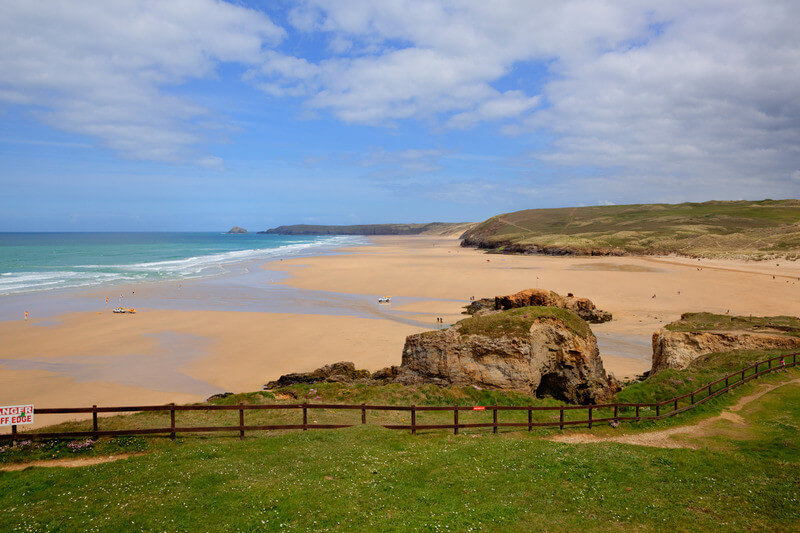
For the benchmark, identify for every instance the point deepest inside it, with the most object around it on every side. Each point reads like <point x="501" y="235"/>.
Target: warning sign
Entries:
<point x="16" y="414"/>
<point x="479" y="408"/>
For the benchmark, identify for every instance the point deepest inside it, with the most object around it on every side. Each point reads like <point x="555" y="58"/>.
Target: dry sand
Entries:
<point x="159" y="356"/>
<point x="440" y="268"/>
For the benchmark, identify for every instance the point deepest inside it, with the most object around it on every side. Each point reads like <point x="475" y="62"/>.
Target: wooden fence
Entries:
<point x="631" y="412"/>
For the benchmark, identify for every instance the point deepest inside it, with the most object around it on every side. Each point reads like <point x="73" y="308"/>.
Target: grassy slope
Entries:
<point x="366" y="478"/>
<point x="756" y="230"/>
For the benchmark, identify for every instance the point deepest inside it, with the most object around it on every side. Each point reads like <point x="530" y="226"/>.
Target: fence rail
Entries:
<point x="697" y="397"/>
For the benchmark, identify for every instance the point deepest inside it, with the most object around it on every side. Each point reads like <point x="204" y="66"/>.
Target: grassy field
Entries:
<point x="744" y="477"/>
<point x="784" y="325"/>
<point x="740" y="229"/>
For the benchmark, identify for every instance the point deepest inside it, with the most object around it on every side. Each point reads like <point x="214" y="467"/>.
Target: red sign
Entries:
<point x="479" y="408"/>
<point x="16" y="414"/>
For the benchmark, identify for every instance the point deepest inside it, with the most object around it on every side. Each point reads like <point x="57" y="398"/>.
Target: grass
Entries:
<point x="741" y="229"/>
<point x="786" y="325"/>
<point x="366" y="478"/>
<point x="518" y="322"/>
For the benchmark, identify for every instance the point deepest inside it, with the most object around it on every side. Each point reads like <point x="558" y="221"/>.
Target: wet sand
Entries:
<point x="163" y="356"/>
<point x="196" y="338"/>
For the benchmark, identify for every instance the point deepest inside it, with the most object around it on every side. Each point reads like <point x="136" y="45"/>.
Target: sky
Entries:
<point x="197" y="115"/>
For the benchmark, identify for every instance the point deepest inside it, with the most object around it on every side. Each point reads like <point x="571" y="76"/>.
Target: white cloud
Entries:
<point x="442" y="58"/>
<point x="711" y="99"/>
<point x="662" y="94"/>
<point x="104" y="69"/>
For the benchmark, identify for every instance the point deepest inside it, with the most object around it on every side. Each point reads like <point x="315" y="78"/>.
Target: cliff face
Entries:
<point x="676" y="349"/>
<point x="549" y="360"/>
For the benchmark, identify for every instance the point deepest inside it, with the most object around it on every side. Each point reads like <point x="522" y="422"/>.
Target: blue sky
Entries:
<point x="202" y="114"/>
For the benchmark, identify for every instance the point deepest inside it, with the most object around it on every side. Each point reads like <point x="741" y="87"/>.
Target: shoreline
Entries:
<point x="263" y="319"/>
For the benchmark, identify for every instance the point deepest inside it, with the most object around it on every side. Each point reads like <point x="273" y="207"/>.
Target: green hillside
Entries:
<point x="741" y="229"/>
<point x="742" y="476"/>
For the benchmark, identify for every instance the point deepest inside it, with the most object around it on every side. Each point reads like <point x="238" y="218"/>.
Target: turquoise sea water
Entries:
<point x="48" y="261"/>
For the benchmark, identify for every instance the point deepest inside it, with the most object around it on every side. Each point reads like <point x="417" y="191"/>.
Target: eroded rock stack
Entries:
<point x="546" y="357"/>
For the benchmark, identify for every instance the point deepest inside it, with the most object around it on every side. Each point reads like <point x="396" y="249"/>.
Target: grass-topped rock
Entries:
<point x="677" y="344"/>
<point x="547" y="351"/>
<point x="583" y="307"/>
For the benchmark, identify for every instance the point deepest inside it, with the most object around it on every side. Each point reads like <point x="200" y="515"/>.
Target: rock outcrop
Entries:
<point x="342" y="372"/>
<point x="237" y="229"/>
<point x="676" y="349"/>
<point x="479" y="307"/>
<point x="547" y="359"/>
<point x="529" y="297"/>
<point x="583" y="307"/>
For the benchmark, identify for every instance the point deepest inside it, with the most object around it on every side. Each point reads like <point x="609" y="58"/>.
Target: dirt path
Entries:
<point x="67" y="463"/>
<point x="663" y="438"/>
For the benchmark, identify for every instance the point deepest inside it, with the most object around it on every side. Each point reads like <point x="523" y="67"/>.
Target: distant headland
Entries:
<point x="766" y="229"/>
<point x="433" y="228"/>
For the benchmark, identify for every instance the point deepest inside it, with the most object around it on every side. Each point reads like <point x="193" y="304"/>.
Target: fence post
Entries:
<point x="13" y="435"/>
<point x="658" y="410"/>
<point x="413" y="419"/>
<point x="676" y="405"/>
<point x="494" y="419"/>
<point x="590" y="418"/>
<point x="530" y="418"/>
<point x="709" y="390"/>
<point x="769" y="364"/>
<point x="616" y="412"/>
<point x="455" y="420"/>
<point x="561" y="418"/>
<point x="726" y="383"/>
<point x="637" y="413"/>
<point x="94" y="420"/>
<point x="691" y="397"/>
<point x="742" y="376"/>
<point x="305" y="416"/>
<point x="363" y="414"/>
<point x="172" y="421"/>
<point x="241" y="421"/>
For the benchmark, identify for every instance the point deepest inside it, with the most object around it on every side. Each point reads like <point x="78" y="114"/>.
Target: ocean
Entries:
<point x="49" y="261"/>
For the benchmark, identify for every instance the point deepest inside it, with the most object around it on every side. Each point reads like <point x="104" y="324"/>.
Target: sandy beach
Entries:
<point x="187" y="353"/>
